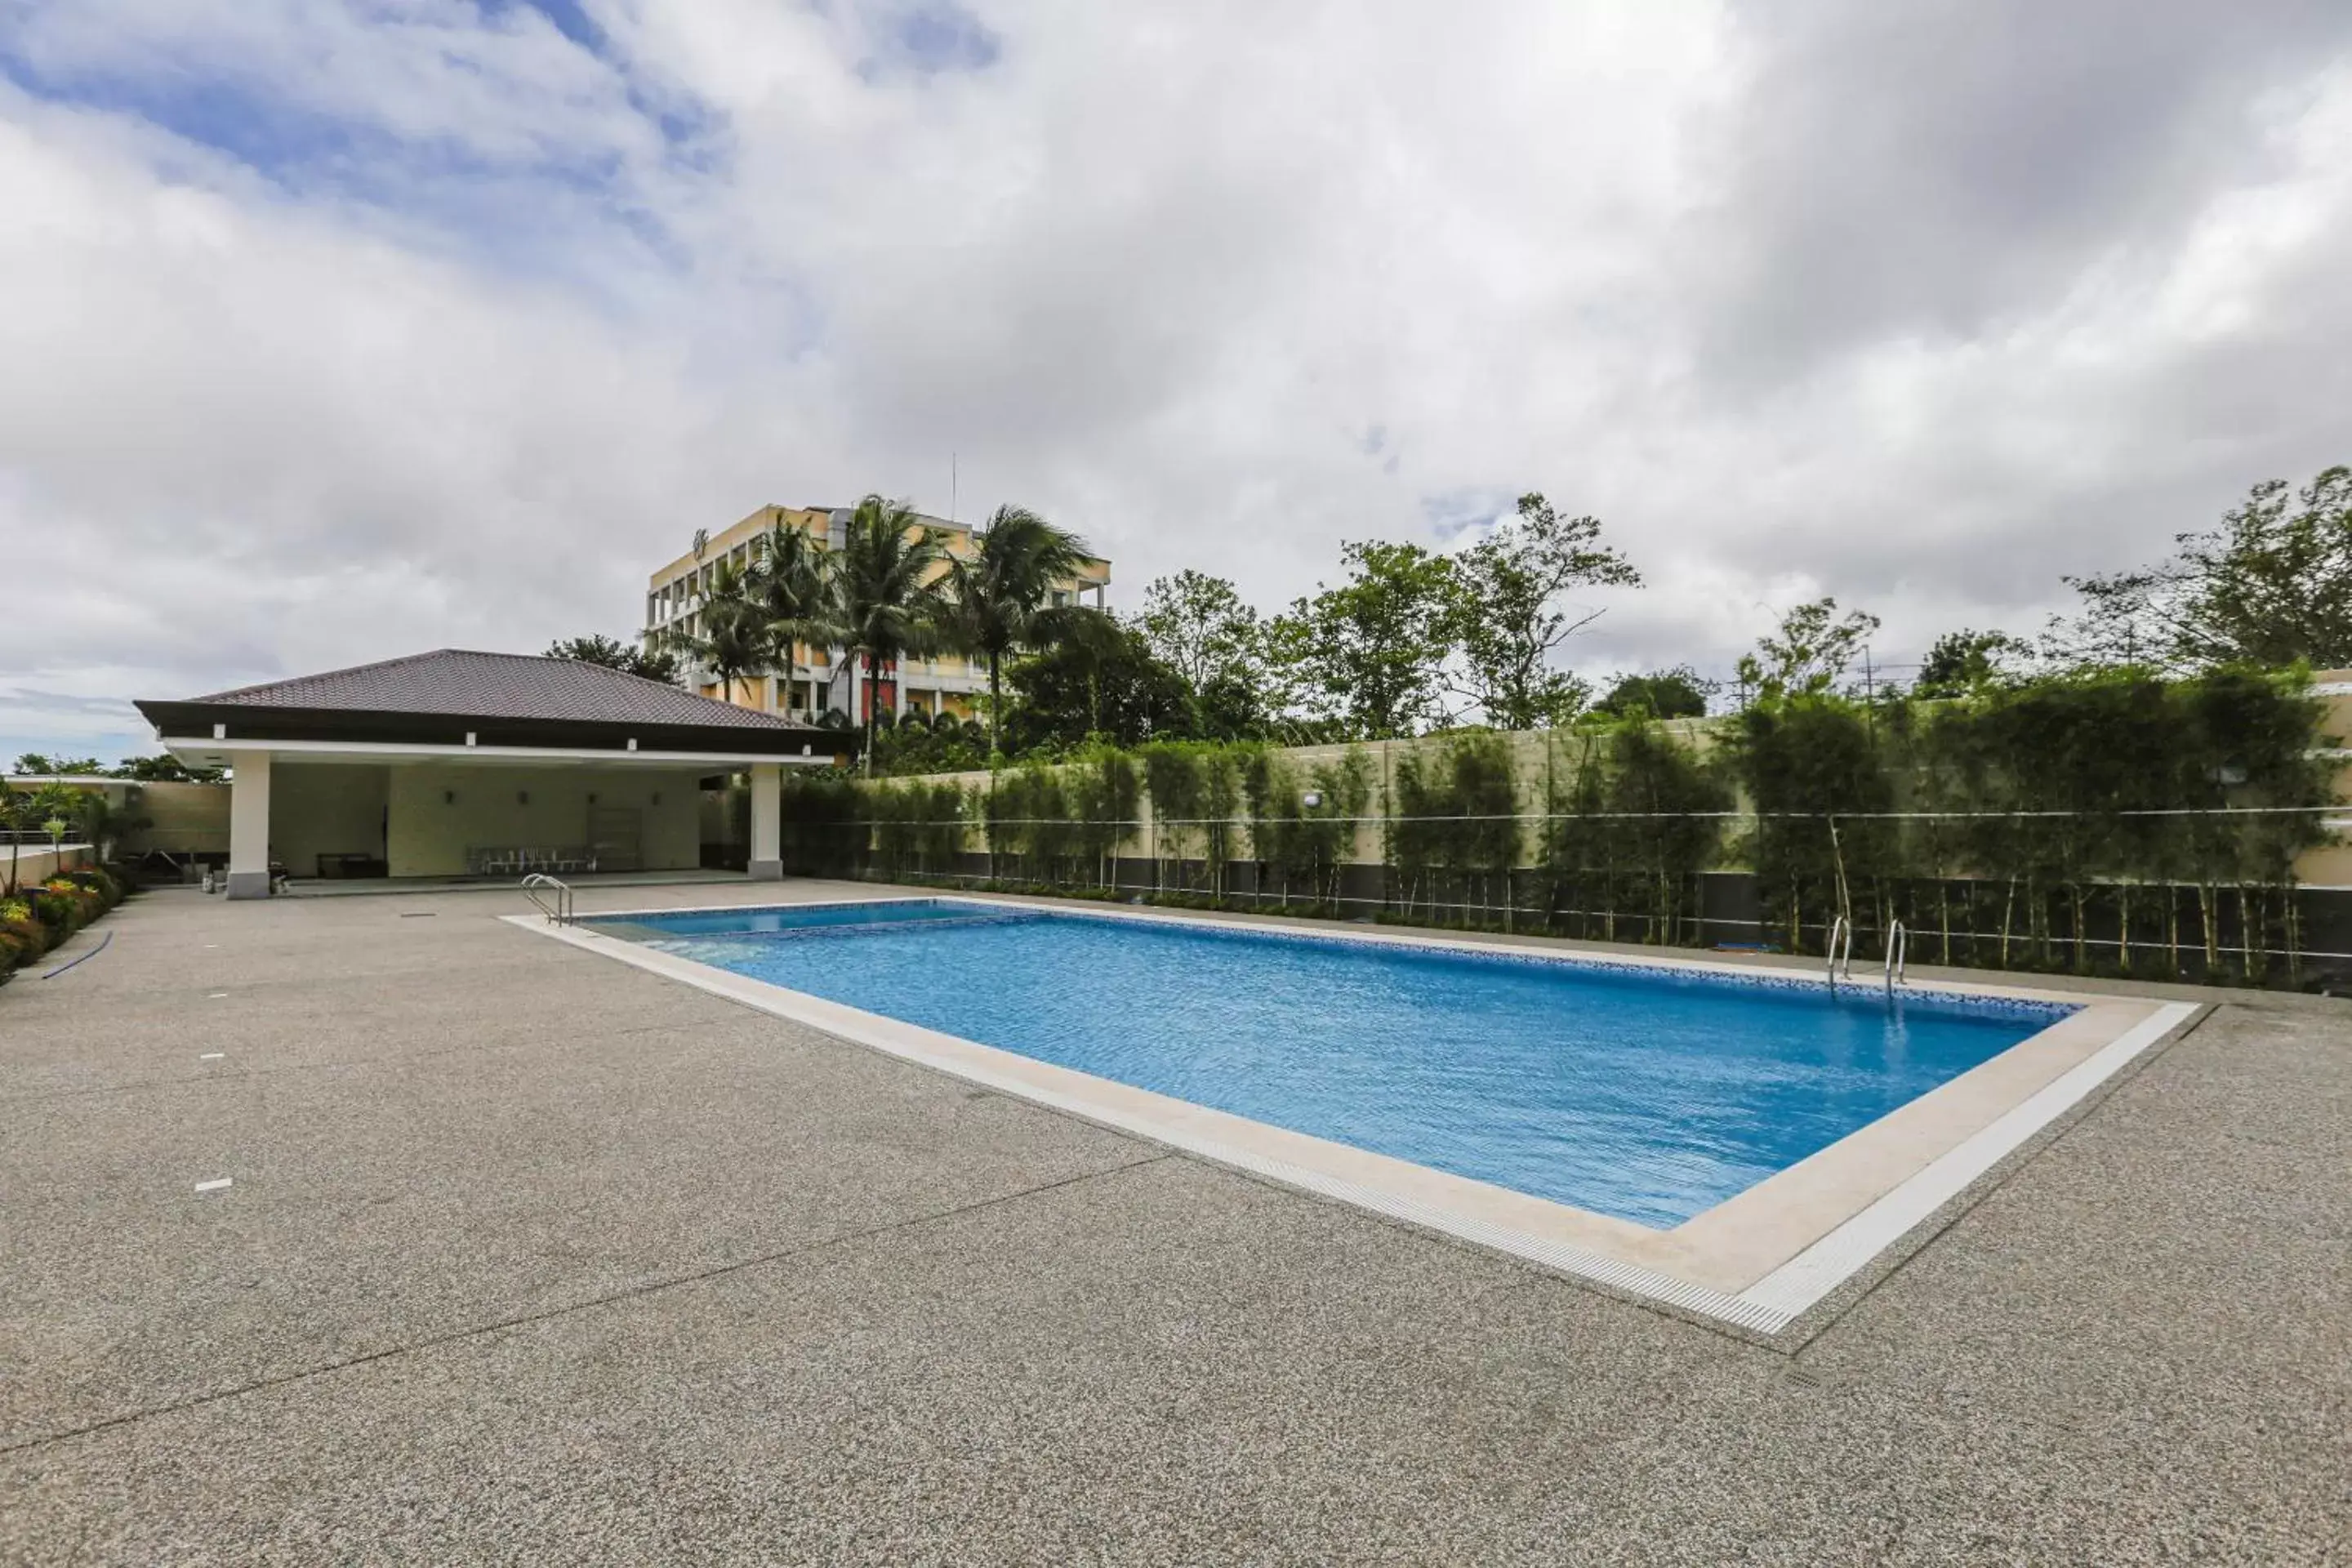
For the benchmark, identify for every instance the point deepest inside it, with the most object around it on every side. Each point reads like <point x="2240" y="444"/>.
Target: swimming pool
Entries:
<point x="1643" y="1093"/>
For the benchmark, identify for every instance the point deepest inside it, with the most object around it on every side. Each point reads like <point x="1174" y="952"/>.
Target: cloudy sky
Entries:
<point x="335" y="330"/>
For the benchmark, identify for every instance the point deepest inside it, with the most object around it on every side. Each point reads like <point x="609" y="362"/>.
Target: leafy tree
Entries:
<point x="1369" y="653"/>
<point x="1812" y="650"/>
<point x="1234" y="707"/>
<point x="2271" y="586"/>
<point x="1099" y="679"/>
<point x="101" y="825"/>
<point x="1000" y="600"/>
<point x="614" y="653"/>
<point x="944" y="744"/>
<point x="165" y="768"/>
<point x="886" y="601"/>
<point x="35" y="762"/>
<point x="1505" y="614"/>
<point x="791" y="585"/>
<point x="1200" y="628"/>
<point x="1965" y="660"/>
<point x="1677" y="693"/>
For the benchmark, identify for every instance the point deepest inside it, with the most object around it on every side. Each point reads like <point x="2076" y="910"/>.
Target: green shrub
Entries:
<point x="2087" y="820"/>
<point x="1634" y="817"/>
<point x="918" y="827"/>
<point x="1453" y="829"/>
<point x="108" y="887"/>
<point x="27" y="938"/>
<point x="36" y="920"/>
<point x="823" y="830"/>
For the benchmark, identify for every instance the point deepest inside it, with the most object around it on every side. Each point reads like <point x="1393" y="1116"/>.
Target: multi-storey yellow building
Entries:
<point x="949" y="683"/>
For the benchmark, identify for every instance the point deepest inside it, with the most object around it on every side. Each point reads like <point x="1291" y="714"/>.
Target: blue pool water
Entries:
<point x="1632" y="1091"/>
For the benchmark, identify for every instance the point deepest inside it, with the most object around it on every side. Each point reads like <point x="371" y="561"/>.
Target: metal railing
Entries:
<point x="1898" y="940"/>
<point x="550" y="897"/>
<point x="1840" y="946"/>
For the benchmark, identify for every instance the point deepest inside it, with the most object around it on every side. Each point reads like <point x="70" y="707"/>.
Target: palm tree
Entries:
<point x="18" y="816"/>
<point x="43" y="810"/>
<point x="792" y="585"/>
<point x="886" y="601"/>
<point x="1001" y="599"/>
<point x="728" y="634"/>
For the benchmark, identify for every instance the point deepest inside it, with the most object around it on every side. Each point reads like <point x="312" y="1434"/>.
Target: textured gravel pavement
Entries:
<point x="533" y="1256"/>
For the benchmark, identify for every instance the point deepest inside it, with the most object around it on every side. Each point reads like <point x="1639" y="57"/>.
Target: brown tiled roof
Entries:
<point x="457" y="681"/>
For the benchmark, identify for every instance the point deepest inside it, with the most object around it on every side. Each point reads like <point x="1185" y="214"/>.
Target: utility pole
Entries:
<point x="1869" y="706"/>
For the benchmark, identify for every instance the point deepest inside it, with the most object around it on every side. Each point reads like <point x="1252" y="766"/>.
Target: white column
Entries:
<point x="767" y="823"/>
<point x="248" y="827"/>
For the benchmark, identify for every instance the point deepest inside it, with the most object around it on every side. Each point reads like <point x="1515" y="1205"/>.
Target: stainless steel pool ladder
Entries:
<point x="1897" y="941"/>
<point x="1841" y="946"/>
<point x="549" y="897"/>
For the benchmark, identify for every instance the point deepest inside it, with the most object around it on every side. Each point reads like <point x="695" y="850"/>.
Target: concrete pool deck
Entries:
<point x="534" y="1256"/>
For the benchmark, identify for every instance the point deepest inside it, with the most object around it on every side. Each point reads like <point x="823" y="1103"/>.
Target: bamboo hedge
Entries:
<point x="2109" y="823"/>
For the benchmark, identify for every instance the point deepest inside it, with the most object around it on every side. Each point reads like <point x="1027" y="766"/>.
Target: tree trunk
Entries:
<point x="2252" y="961"/>
<point x="995" y="704"/>
<point x="2294" y="920"/>
<point x="868" y="758"/>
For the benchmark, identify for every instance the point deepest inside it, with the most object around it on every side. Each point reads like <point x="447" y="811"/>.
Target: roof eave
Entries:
<point x="229" y="721"/>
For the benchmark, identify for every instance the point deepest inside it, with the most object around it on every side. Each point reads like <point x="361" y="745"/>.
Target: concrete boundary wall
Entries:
<point x="1535" y="755"/>
<point x="38" y="865"/>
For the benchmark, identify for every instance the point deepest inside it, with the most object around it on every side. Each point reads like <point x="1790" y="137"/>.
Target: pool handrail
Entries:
<point x="1898" y="942"/>
<point x="1840" y="929"/>
<point x="550" y="896"/>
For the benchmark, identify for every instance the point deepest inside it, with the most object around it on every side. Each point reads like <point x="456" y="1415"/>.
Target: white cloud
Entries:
<point x="425" y="326"/>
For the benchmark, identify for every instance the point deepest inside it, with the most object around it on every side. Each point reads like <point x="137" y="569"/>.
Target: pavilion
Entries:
<point x="457" y="764"/>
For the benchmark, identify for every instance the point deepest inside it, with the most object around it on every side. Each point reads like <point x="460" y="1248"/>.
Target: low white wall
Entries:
<point x="37" y="865"/>
<point x="438" y="812"/>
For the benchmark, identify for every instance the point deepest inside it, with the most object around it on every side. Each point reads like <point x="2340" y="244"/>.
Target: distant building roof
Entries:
<point x="463" y="683"/>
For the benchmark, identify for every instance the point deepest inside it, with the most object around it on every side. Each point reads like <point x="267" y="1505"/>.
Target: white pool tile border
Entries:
<point x="1768" y="1306"/>
<point x="1794" y="1286"/>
